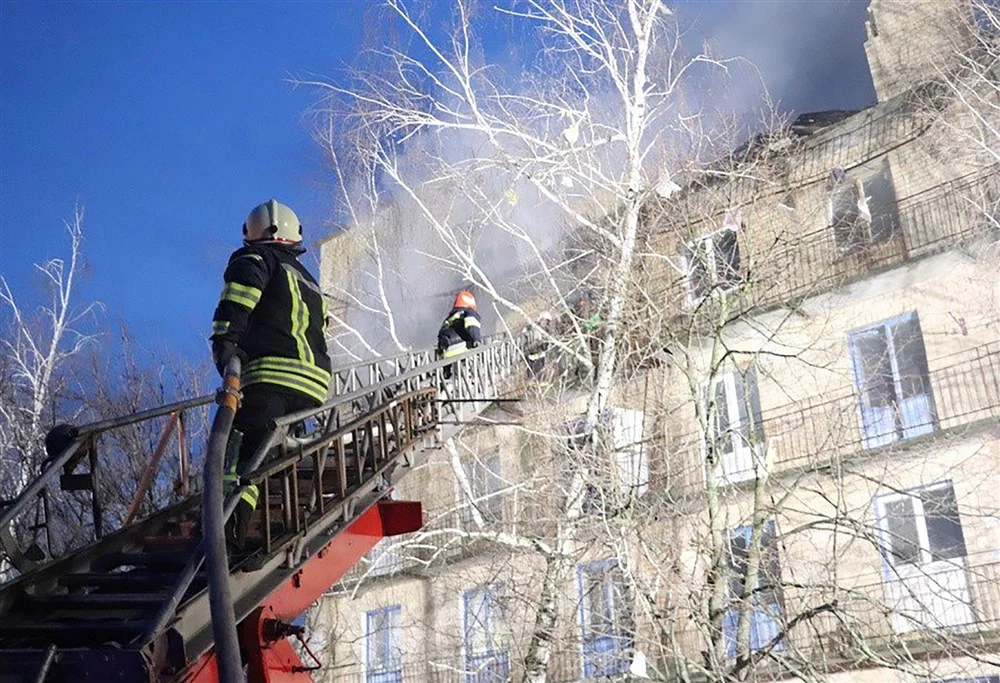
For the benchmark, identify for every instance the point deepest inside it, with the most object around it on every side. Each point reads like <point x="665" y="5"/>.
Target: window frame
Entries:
<point x="392" y="640"/>
<point x="920" y="518"/>
<point x="860" y="177"/>
<point x="902" y="408"/>
<point x="492" y="664"/>
<point x="749" y="440"/>
<point x="604" y="655"/>
<point x="480" y="474"/>
<point x="702" y="253"/>
<point x="631" y="458"/>
<point x="765" y="612"/>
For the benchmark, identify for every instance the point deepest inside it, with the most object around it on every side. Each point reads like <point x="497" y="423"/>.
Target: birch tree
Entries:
<point x="607" y="175"/>
<point x="37" y="347"/>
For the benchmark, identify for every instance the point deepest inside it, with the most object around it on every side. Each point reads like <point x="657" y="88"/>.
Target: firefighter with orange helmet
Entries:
<point x="461" y="330"/>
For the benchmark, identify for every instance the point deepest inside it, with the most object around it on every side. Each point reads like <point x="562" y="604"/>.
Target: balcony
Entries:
<point x="794" y="267"/>
<point x="496" y="668"/>
<point x="964" y="391"/>
<point x="954" y="608"/>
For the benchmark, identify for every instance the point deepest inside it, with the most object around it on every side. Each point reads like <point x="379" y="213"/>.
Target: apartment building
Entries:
<point x="821" y="435"/>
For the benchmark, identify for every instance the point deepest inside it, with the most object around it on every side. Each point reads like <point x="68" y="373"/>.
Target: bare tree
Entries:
<point x="602" y="178"/>
<point x="36" y="349"/>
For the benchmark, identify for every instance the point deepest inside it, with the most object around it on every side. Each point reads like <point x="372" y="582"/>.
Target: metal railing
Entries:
<point x="932" y="610"/>
<point x="935" y="606"/>
<point x="793" y="267"/>
<point x="352" y="383"/>
<point x="364" y="441"/>
<point x="453" y="668"/>
<point x="963" y="389"/>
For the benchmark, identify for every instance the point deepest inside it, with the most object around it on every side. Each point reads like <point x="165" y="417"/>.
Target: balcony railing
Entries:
<point x="454" y="534"/>
<point x="962" y="389"/>
<point x="946" y="606"/>
<point x="496" y="668"/>
<point x="794" y="267"/>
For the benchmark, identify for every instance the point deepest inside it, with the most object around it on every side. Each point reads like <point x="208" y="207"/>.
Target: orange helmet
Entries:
<point x="464" y="299"/>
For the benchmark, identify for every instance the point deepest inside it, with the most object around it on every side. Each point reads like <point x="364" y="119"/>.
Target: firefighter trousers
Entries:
<point x="262" y="404"/>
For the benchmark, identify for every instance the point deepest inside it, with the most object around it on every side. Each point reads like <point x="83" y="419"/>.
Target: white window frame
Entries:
<point x="931" y="594"/>
<point x="631" y="476"/>
<point x="395" y="635"/>
<point x="488" y="502"/>
<point x="756" y="456"/>
<point x="497" y="652"/>
<point x="920" y="520"/>
<point x="708" y="245"/>
<point x="911" y="416"/>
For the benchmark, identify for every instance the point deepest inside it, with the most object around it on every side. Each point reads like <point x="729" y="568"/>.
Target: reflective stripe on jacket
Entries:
<point x="272" y="308"/>
<point x="461" y="330"/>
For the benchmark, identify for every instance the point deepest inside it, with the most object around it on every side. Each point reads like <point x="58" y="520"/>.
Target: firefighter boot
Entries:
<point x="237" y="527"/>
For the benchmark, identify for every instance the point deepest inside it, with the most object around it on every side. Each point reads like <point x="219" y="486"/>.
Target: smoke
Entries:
<point x="437" y="208"/>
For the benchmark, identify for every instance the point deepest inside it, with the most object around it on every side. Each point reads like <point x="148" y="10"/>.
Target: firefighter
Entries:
<point x="272" y="315"/>
<point x="535" y="343"/>
<point x="461" y="330"/>
<point x="591" y="322"/>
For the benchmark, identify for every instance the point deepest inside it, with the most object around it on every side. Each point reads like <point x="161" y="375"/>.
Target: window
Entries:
<point x="863" y="209"/>
<point x="892" y="381"/>
<point x="736" y="439"/>
<point x="712" y="263"/>
<point x="383" y="559"/>
<point x="923" y="527"/>
<point x="383" y="652"/>
<point x="484" y="480"/>
<point x="486" y="659"/>
<point x="606" y="620"/>
<point x="630" y="478"/>
<point x="923" y="546"/>
<point x="765" y="602"/>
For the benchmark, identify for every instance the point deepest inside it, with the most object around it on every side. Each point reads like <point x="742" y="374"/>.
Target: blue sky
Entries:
<point x="169" y="121"/>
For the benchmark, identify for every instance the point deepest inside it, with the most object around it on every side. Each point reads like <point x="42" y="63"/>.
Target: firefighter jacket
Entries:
<point x="534" y="343"/>
<point x="273" y="310"/>
<point x="461" y="330"/>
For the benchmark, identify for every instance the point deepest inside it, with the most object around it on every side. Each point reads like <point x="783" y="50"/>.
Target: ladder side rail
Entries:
<point x="423" y="376"/>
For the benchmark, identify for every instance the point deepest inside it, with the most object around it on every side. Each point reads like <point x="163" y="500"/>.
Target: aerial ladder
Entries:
<point x="133" y="605"/>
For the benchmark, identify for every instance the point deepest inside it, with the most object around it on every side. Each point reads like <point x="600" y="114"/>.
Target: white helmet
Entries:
<point x="272" y="221"/>
<point x="545" y="316"/>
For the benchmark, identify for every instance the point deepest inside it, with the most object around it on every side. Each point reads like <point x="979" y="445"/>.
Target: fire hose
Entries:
<point x="227" y="648"/>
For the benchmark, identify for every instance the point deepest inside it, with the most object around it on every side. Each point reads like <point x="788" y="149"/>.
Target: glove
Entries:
<point x="222" y="352"/>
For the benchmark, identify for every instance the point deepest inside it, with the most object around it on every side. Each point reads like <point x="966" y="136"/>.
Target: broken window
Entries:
<point x="712" y="263"/>
<point x="863" y="209"/>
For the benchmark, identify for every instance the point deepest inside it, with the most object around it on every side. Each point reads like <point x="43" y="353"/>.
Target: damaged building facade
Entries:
<point x="804" y="482"/>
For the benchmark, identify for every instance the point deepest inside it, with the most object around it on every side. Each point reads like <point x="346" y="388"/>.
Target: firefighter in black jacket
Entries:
<point x="461" y="330"/>
<point x="273" y="315"/>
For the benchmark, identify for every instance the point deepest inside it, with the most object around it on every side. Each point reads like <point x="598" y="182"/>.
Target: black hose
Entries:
<point x="227" y="647"/>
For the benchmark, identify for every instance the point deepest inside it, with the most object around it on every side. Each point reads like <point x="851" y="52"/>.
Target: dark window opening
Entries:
<point x="864" y="211"/>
